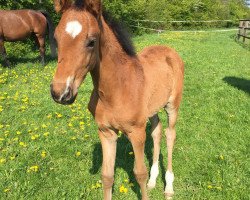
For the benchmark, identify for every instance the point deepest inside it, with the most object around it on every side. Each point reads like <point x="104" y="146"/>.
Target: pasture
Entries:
<point x="50" y="151"/>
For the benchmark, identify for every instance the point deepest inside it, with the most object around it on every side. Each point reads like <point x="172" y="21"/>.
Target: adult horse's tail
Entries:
<point x="52" y="41"/>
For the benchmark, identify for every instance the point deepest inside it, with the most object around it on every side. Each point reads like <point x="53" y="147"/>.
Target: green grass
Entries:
<point x="212" y="152"/>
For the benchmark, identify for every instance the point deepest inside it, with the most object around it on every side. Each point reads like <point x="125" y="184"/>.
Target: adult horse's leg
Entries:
<point x="156" y="134"/>
<point x="3" y="53"/>
<point x="138" y="138"/>
<point x="171" y="136"/>
<point x="40" y="40"/>
<point x="108" y="140"/>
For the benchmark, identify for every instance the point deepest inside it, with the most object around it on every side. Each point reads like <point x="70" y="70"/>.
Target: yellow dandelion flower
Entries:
<point x="49" y="116"/>
<point x="221" y="157"/>
<point x="34" y="168"/>
<point x="86" y="136"/>
<point x="18" y="132"/>
<point x="43" y="154"/>
<point x="6" y="190"/>
<point x="98" y="185"/>
<point x="44" y="126"/>
<point x="70" y="125"/>
<point x="22" y="144"/>
<point x="123" y="189"/>
<point x="46" y="134"/>
<point x="209" y="187"/>
<point x="2" y="160"/>
<point x="78" y="153"/>
<point x="12" y="157"/>
<point x="81" y="123"/>
<point x="58" y="115"/>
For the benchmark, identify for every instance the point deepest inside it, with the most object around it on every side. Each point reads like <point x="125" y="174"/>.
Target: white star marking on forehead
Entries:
<point x="73" y="28"/>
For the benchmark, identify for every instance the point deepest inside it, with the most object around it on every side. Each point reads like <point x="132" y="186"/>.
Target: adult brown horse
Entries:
<point x="17" y="25"/>
<point x="128" y="89"/>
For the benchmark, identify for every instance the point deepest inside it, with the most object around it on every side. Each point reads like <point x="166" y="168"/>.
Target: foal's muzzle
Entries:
<point x="66" y="97"/>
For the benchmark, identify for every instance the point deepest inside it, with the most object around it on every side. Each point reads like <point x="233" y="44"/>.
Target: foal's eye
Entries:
<point x="91" y="43"/>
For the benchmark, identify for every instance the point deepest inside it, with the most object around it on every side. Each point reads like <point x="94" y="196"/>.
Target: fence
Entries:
<point x="160" y="26"/>
<point x="244" y="27"/>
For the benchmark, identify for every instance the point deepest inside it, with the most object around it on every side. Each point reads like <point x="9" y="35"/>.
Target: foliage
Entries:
<point x="50" y="151"/>
<point x="160" y="10"/>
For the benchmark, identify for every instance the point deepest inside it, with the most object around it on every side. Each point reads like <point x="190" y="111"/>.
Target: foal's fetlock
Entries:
<point x="107" y="181"/>
<point x="141" y="178"/>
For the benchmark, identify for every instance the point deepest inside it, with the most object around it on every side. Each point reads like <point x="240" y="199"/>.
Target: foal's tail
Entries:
<point x="52" y="41"/>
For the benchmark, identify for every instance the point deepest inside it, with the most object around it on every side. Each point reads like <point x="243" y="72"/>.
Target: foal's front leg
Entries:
<point x="108" y="140"/>
<point x="137" y="139"/>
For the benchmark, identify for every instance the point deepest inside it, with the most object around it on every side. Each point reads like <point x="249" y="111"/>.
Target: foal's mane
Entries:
<point x="120" y="33"/>
<point x="118" y="29"/>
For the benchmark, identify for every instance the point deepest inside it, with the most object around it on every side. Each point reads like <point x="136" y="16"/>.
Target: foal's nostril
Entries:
<point x="66" y="96"/>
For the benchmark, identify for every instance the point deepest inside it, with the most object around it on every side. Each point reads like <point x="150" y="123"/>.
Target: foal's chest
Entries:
<point x="119" y="117"/>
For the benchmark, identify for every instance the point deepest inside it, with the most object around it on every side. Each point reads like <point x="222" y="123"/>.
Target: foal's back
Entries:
<point x="163" y="71"/>
<point x="18" y="24"/>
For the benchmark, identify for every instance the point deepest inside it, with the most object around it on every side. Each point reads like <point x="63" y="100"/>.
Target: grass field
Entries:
<point x="50" y="151"/>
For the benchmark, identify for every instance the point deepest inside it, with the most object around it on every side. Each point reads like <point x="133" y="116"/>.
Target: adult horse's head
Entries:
<point x="77" y="35"/>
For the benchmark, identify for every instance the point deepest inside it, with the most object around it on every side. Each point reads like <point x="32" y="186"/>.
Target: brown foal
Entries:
<point x="16" y="25"/>
<point x="128" y="89"/>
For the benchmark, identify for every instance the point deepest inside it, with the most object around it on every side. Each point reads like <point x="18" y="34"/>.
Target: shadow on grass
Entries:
<point x="14" y="61"/>
<point x="239" y="83"/>
<point x="126" y="161"/>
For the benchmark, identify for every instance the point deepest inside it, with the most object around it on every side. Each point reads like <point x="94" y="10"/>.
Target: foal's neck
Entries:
<point x="116" y="67"/>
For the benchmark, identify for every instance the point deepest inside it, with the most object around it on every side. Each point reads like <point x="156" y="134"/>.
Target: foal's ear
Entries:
<point x="94" y="6"/>
<point x="62" y="5"/>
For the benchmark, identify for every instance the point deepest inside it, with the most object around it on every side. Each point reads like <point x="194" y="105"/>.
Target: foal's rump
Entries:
<point x="19" y="24"/>
<point x="164" y="71"/>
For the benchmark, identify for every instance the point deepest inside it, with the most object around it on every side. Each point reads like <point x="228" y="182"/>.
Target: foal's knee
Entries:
<point x="107" y="181"/>
<point x="141" y="176"/>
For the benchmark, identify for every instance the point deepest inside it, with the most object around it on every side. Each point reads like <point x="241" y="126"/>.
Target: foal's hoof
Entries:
<point x="151" y="185"/>
<point x="168" y="195"/>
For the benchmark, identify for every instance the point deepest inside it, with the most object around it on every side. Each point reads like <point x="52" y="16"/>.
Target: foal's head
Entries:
<point x="77" y="35"/>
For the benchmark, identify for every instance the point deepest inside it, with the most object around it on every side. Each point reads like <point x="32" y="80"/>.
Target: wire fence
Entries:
<point x="182" y="26"/>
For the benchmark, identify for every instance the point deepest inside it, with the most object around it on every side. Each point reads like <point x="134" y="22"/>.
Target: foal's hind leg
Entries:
<point x="3" y="53"/>
<point x="156" y="128"/>
<point x="40" y="40"/>
<point x="171" y="136"/>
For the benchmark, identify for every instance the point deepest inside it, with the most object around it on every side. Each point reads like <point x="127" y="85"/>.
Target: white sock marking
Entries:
<point x="169" y="177"/>
<point x="154" y="172"/>
<point x="73" y="28"/>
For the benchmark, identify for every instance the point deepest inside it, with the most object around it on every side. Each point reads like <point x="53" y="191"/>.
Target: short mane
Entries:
<point x="118" y="29"/>
<point x="120" y="33"/>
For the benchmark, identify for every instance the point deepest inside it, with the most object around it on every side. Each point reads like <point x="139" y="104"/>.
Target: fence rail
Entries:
<point x="187" y="21"/>
<point x="144" y="24"/>
<point x="244" y="27"/>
